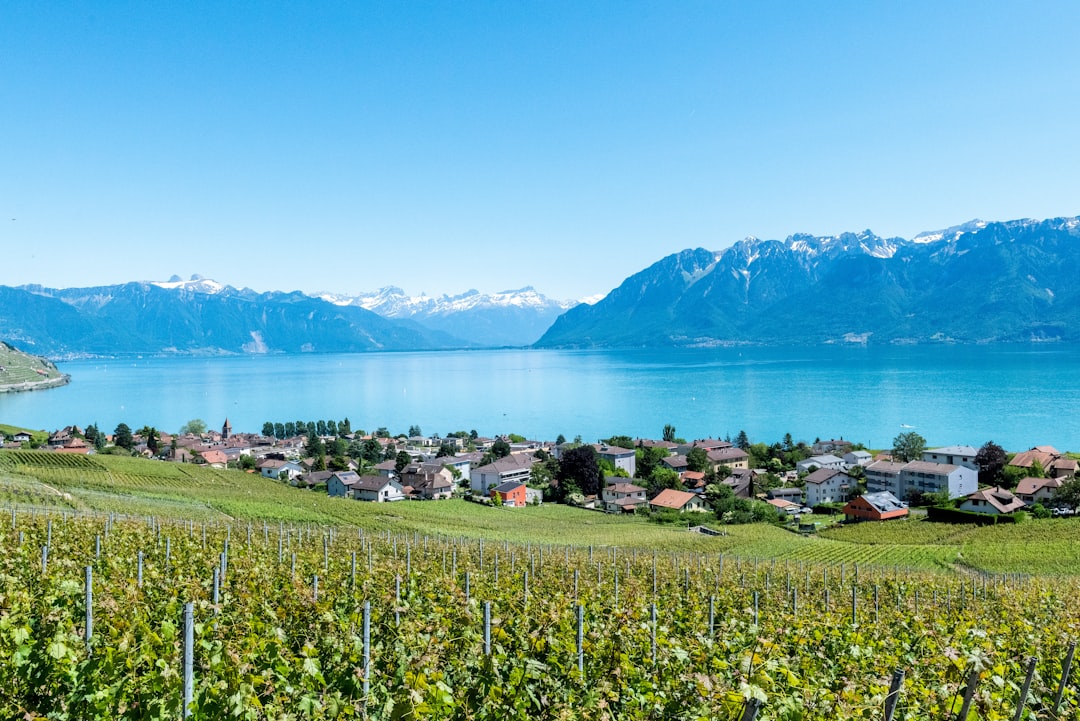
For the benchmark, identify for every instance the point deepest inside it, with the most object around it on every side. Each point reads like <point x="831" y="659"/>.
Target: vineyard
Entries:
<point x="124" y="485"/>
<point x="309" y="622"/>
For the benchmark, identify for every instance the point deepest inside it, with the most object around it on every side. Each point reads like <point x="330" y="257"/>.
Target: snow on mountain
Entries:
<point x="393" y="302"/>
<point x="197" y="284"/>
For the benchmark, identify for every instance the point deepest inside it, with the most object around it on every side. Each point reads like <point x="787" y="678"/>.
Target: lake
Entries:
<point x="1018" y="396"/>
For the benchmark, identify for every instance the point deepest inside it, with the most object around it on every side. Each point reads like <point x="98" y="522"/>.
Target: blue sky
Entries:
<point x="441" y="146"/>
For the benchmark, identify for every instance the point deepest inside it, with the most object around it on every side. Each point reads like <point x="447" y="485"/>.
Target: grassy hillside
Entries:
<point x="141" y="487"/>
<point x="17" y="369"/>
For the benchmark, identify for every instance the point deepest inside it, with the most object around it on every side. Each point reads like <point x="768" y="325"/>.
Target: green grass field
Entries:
<point x="134" y="486"/>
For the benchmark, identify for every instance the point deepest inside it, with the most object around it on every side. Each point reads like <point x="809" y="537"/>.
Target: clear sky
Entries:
<point x="441" y="146"/>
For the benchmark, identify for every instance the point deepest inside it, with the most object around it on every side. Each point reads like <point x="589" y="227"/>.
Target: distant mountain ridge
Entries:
<point x="509" y="318"/>
<point x="974" y="283"/>
<point x="197" y="317"/>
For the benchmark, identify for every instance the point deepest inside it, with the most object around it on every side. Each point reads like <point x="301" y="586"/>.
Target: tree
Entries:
<point x="742" y="440"/>
<point x="669" y="433"/>
<point x="1068" y="494"/>
<point x="516" y="438"/>
<point x="196" y="427"/>
<point x="320" y="428"/>
<point x="123" y="438"/>
<point x="788" y="442"/>
<point x="697" y="460"/>
<point x="268" y="429"/>
<point x="446" y="449"/>
<point x="279" y="431"/>
<point x="381" y="432"/>
<point x="991" y="460"/>
<point x="648" y="459"/>
<point x="290" y="429"/>
<point x="560" y="439"/>
<point x="315" y="447"/>
<point x="337" y="463"/>
<point x="662" y="478"/>
<point x="401" y="460"/>
<point x="580" y="467"/>
<point x="247" y="463"/>
<point x="414" y="431"/>
<point x="153" y="441"/>
<point x="620" y="441"/>
<point x="345" y="427"/>
<point x="908" y="446"/>
<point x="331" y="427"/>
<point x="500" y="449"/>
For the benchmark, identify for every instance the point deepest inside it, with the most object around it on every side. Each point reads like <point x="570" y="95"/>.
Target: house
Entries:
<point x="784" y="506"/>
<point x="992" y="501"/>
<point x="827" y="485"/>
<point x="923" y="477"/>
<point x="429" y="485"/>
<point x="340" y="484"/>
<point x="74" y="445"/>
<point x="825" y="461"/>
<point x="882" y="506"/>
<point x="694" y="481"/>
<point x="675" y="463"/>
<point x="833" y="445"/>
<point x="1053" y="463"/>
<point x="1038" y="490"/>
<point x="22" y="437"/>
<point x="792" y="495"/>
<point x="377" y="489"/>
<point x="741" y="482"/>
<point x="515" y="467"/>
<point x="953" y="455"/>
<point x="512" y="494"/>
<point x="274" y="468"/>
<point x="316" y="478"/>
<point x="858" y="458"/>
<point x="706" y="444"/>
<point x="215" y="459"/>
<point x="624" y="458"/>
<point x="671" y="447"/>
<point x="386" y="469"/>
<point x="884" y="477"/>
<point x="623" y="497"/>
<point x="731" y="457"/>
<point x="680" y="501"/>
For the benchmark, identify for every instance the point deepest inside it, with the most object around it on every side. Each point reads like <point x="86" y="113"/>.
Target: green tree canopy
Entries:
<point x="580" y="466"/>
<point x="123" y="438"/>
<point x="669" y="433"/>
<point x="991" y="460"/>
<point x="196" y="426"/>
<point x="697" y="460"/>
<point x="908" y="446"/>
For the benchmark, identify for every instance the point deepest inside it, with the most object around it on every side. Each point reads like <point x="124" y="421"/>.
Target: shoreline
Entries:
<point x="28" y="386"/>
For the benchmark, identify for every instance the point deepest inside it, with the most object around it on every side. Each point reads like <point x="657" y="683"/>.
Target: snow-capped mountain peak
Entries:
<point x="197" y="284"/>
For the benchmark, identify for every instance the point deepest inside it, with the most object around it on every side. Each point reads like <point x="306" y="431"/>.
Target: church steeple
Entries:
<point x="226" y="430"/>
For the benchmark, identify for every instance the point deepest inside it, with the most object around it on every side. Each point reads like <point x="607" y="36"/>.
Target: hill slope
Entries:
<point x="21" y="371"/>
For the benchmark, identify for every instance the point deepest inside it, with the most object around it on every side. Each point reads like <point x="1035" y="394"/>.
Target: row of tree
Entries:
<point x="291" y="429"/>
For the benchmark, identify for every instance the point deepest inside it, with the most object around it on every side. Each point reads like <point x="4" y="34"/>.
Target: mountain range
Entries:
<point x="204" y="317"/>
<point x="509" y="318"/>
<point x="979" y="282"/>
<point x="974" y="283"/>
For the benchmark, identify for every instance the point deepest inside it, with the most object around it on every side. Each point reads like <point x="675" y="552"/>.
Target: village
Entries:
<point x="638" y="476"/>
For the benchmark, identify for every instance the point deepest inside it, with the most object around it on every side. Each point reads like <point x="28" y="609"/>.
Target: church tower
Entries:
<point x="226" y="430"/>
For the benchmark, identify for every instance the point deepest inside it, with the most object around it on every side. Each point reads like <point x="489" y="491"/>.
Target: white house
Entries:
<point x="826" y="461"/>
<point x="378" y="489"/>
<point x="953" y="455"/>
<point x="622" y="497"/>
<point x="515" y="467"/>
<point x="340" y="484"/>
<point x="624" y="458"/>
<point x="858" y="458"/>
<point x="884" y="476"/>
<point x="923" y="477"/>
<point x="828" y="485"/>
<point x="273" y="468"/>
<point x="992" y="501"/>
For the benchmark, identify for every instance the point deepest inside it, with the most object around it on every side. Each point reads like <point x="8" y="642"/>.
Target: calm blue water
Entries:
<point x="1016" y="396"/>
